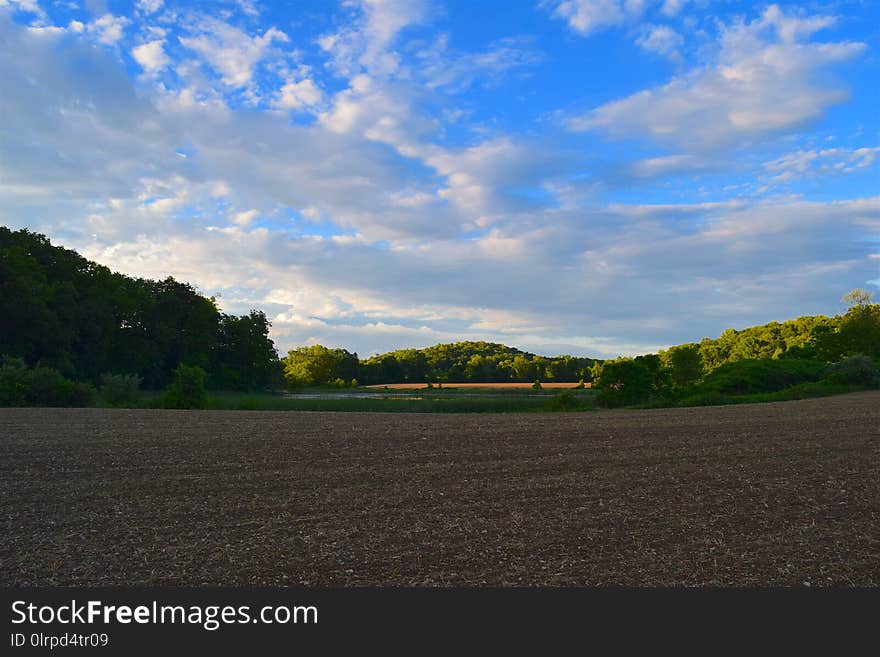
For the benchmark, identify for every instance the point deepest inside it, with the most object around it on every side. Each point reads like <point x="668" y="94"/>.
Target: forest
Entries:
<point x="71" y="315"/>
<point x="71" y="326"/>
<point x="462" y="362"/>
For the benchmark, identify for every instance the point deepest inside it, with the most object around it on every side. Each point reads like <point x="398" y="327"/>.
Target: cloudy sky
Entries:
<point x="595" y="177"/>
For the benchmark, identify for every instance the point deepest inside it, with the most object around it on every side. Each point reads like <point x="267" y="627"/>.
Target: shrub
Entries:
<point x="536" y="385"/>
<point x="624" y="382"/>
<point x="120" y="389"/>
<point x="856" y="370"/>
<point x="187" y="390"/>
<point x="744" y="377"/>
<point x="40" y="386"/>
<point x="47" y="387"/>
<point x="13" y="382"/>
<point x="564" y="401"/>
<point x="338" y="383"/>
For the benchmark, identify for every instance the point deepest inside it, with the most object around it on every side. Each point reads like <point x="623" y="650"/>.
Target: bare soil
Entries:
<point x="770" y="494"/>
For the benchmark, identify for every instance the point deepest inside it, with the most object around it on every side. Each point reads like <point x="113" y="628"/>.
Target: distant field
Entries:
<point x="767" y="494"/>
<point x="488" y="386"/>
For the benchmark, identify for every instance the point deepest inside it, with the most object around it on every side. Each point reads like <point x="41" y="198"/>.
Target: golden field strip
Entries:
<point x="486" y="386"/>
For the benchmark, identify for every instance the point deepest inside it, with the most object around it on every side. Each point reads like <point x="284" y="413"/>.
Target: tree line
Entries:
<point x="842" y="350"/>
<point x="61" y="311"/>
<point x="65" y="319"/>
<point x="463" y="362"/>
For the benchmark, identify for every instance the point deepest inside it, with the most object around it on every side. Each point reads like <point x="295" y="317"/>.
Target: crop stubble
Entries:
<point x="769" y="494"/>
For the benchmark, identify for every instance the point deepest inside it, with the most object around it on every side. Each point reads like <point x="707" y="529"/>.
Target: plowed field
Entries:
<point x="770" y="494"/>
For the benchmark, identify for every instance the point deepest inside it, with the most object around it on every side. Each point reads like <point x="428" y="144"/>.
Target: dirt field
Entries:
<point x="771" y="494"/>
<point x="485" y="386"/>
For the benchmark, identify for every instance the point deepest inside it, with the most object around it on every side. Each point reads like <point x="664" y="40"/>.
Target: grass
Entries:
<point x="426" y="401"/>
<point x="472" y="401"/>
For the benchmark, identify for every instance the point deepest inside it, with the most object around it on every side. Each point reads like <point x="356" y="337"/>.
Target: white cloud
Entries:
<point x="149" y="6"/>
<point x="46" y="30"/>
<point x="151" y="56"/>
<point x="660" y="39"/>
<point x="108" y="29"/>
<point x="802" y="163"/>
<point x="672" y="7"/>
<point x="97" y="169"/>
<point x="232" y="53"/>
<point x="654" y="167"/>
<point x="367" y="47"/>
<point x="765" y="81"/>
<point x="298" y="95"/>
<point x="588" y="16"/>
<point x="29" y="6"/>
<point x="454" y="71"/>
<point x="245" y="218"/>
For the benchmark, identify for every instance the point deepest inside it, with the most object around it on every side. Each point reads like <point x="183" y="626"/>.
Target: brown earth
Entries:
<point x="770" y="494"/>
<point x="490" y="386"/>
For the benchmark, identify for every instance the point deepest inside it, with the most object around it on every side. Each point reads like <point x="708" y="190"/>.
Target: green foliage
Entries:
<point x="471" y="362"/>
<point x="711" y="398"/>
<point x="858" y="370"/>
<point x="13" y="382"/>
<point x="624" y="382"/>
<point x="319" y="366"/>
<point x="244" y="357"/>
<point x="856" y="332"/>
<point x="49" y="388"/>
<point x="187" y="390"/>
<point x="120" y="389"/>
<point x="566" y="401"/>
<point x="65" y="312"/>
<point x="659" y="375"/>
<point x="536" y="385"/>
<point x="761" y="375"/>
<point x="685" y="364"/>
<point x="40" y="386"/>
<point x="773" y="340"/>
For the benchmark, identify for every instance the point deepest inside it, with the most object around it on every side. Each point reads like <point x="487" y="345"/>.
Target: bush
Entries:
<point x="744" y="377"/>
<point x="13" y="382"/>
<point x="564" y="401"/>
<point x="536" y="385"/>
<point x="624" y="382"/>
<point x="40" y="386"/>
<point x="47" y="387"/>
<point x="120" y="389"/>
<point x="857" y="370"/>
<point x="187" y="390"/>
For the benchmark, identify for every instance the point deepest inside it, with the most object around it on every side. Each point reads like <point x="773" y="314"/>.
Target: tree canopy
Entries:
<point x="477" y="362"/>
<point x="63" y="311"/>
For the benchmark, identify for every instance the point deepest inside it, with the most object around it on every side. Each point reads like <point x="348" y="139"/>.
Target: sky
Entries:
<point x="592" y="177"/>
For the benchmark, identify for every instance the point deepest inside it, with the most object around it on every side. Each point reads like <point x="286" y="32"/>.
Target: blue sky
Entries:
<point x="594" y="177"/>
